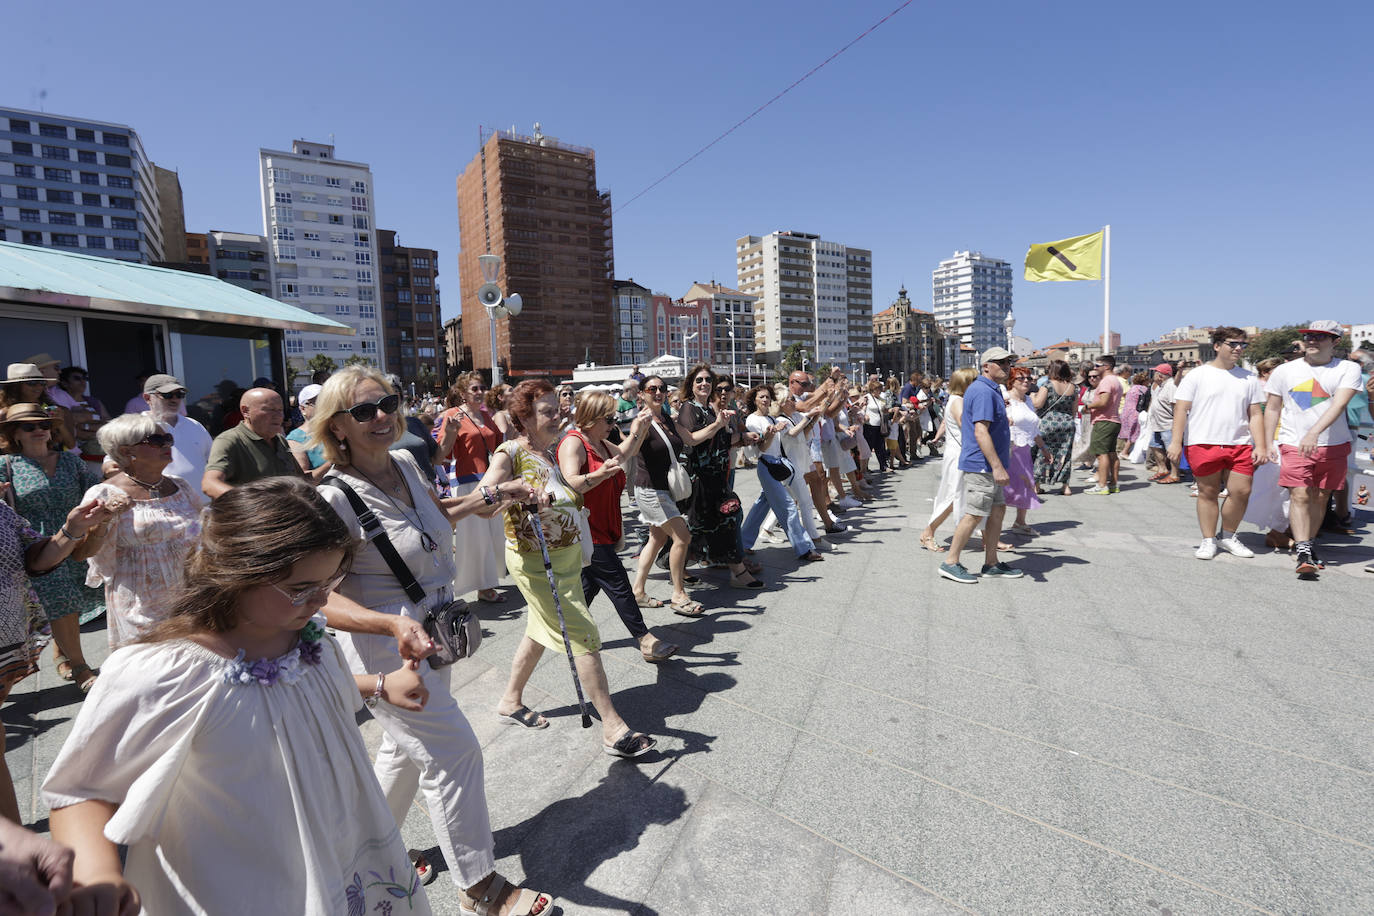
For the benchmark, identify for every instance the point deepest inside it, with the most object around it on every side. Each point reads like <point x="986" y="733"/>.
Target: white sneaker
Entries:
<point x="1207" y="549"/>
<point x="848" y="502"/>
<point x="1233" y="546"/>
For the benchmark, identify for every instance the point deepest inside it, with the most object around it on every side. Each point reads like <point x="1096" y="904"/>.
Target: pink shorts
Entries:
<point x="1206" y="460"/>
<point x="1324" y="469"/>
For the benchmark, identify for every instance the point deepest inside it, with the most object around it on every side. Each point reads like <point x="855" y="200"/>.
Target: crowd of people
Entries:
<point x="262" y="585"/>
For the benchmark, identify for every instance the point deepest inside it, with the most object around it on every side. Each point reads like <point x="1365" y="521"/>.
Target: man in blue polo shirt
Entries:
<point x="983" y="457"/>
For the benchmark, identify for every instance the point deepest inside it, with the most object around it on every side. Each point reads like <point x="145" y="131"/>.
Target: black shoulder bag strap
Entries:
<point x="372" y="528"/>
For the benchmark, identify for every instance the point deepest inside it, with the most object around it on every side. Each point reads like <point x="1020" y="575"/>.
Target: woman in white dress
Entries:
<point x="470" y="438"/>
<point x="222" y="749"/>
<point x="949" y="496"/>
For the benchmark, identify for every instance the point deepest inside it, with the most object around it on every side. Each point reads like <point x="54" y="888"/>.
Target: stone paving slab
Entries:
<point x="1126" y="730"/>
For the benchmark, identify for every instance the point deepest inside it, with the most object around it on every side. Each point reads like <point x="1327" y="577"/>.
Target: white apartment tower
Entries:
<point x="808" y="291"/>
<point x="971" y="296"/>
<point x="318" y="216"/>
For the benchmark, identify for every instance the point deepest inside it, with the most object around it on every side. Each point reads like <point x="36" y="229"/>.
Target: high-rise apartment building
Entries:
<point x="808" y="291"/>
<point x="453" y="349"/>
<point x="197" y="248"/>
<point x="971" y="294"/>
<point x="631" y="317"/>
<point x="245" y="261"/>
<point x="318" y="217"/>
<point x="732" y="313"/>
<point x="76" y="184"/>
<point x="410" y="312"/>
<point x="533" y="201"/>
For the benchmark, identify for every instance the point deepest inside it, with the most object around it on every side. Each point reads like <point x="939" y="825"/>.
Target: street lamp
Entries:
<point x="497" y="304"/>
<point x="1009" y="323"/>
<point x="732" y="348"/>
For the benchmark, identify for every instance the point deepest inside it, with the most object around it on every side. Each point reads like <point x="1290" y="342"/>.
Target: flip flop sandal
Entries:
<point x="524" y="717"/>
<point x="662" y="652"/>
<point x="423" y="870"/>
<point x="688" y="609"/>
<point x="64" y="667"/>
<point x="631" y="744"/>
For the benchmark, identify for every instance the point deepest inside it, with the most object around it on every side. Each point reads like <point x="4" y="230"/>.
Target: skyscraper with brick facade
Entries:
<point x="410" y="311"/>
<point x="533" y="201"/>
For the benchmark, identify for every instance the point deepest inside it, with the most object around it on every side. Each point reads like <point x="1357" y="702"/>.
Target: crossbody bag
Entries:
<point x="454" y="629"/>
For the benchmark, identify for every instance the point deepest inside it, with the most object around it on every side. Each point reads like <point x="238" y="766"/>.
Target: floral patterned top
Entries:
<point x="142" y="561"/>
<point x="15" y="593"/>
<point x="559" y="519"/>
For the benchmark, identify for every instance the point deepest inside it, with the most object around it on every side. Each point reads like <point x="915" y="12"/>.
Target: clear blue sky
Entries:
<point x="1228" y="144"/>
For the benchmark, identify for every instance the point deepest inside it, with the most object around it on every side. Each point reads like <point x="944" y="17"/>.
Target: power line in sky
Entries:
<point x="749" y="117"/>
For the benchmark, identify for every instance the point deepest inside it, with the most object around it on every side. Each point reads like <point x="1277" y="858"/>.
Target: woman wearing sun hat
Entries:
<point x="25" y="383"/>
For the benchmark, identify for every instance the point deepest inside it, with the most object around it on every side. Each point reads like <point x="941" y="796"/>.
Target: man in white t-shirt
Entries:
<point x="165" y="396"/>
<point x="1314" y="437"/>
<point x="1217" y="411"/>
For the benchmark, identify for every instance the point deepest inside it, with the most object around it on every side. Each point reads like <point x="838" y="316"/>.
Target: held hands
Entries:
<point x="517" y="490"/>
<point x="724" y="417"/>
<point x="90" y="514"/>
<point x="1259" y="456"/>
<point x="35" y="873"/>
<point x="104" y="895"/>
<point x="404" y="689"/>
<point x="412" y="642"/>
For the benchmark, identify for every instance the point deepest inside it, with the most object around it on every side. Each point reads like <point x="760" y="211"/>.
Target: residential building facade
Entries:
<point x="971" y="294"/>
<point x="907" y="340"/>
<point x="78" y="185"/>
<point x="241" y="259"/>
<point x="732" y="322"/>
<point x="533" y="200"/>
<point x="410" y="312"/>
<point x="631" y="316"/>
<point x="453" y="349"/>
<point x="808" y="291"/>
<point x="676" y="324"/>
<point x="319" y="219"/>
<point x="197" y="248"/>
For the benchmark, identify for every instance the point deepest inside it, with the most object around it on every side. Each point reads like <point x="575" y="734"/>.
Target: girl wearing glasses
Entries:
<point x="431" y="750"/>
<point x="221" y="747"/>
<point x="140" y="554"/>
<point x="44" y="486"/>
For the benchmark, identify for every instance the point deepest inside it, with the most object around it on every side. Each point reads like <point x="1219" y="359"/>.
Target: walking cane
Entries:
<point x="558" y="606"/>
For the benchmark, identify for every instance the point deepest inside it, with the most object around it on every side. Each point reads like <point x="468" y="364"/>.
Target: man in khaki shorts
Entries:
<point x="985" y="454"/>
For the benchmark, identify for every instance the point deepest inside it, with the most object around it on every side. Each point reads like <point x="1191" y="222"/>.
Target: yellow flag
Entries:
<point x="1078" y="258"/>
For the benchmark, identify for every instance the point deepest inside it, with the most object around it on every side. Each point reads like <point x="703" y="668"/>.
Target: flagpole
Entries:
<point x="1106" y="288"/>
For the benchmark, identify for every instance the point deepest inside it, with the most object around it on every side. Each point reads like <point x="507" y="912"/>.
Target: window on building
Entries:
<point x="281" y="198"/>
<point x="285" y="252"/>
<point x="310" y="236"/>
<point x="29" y="216"/>
<point x="315" y="290"/>
<point x="284" y="234"/>
<point x="369" y="346"/>
<point x="366" y="294"/>
<point x="21" y="149"/>
<point x="295" y="345"/>
<point x="367" y="311"/>
<point x="126" y="244"/>
<point x="360" y="240"/>
<point x="424" y="299"/>
<point x="359" y="187"/>
<point x="85" y="155"/>
<point x="121" y="203"/>
<point x="121" y="162"/>
<point x="319" y="345"/>
<point x="403" y="296"/>
<point x="336" y="219"/>
<point x="60" y="218"/>
<point x="33" y="238"/>
<point x="421" y="280"/>
<point x="362" y="257"/>
<point x="95" y="241"/>
<point x="119" y="181"/>
<point x="90" y="178"/>
<point x="313" y="253"/>
<point x="333" y="182"/>
<point x="20" y="127"/>
<point x="115" y="139"/>
<point x="360" y="222"/>
<point x="85" y="135"/>
<point x="26" y="193"/>
<point x="67" y="240"/>
<point x="343" y="310"/>
<point x="52" y="130"/>
<point x="59" y="197"/>
<point x="360" y="203"/>
<point x="422" y="263"/>
<point x="346" y="345"/>
<point x="279" y="175"/>
<point x="57" y="174"/>
<point x="122" y="222"/>
<point x="90" y="200"/>
<point x="56" y="152"/>
<point x="288" y="290"/>
<point x="24" y="171"/>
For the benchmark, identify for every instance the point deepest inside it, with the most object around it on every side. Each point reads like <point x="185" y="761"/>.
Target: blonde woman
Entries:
<point x="949" y="496"/>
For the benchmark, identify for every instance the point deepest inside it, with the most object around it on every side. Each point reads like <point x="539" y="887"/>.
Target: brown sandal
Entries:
<point x="84" y="676"/>
<point x="928" y="542"/>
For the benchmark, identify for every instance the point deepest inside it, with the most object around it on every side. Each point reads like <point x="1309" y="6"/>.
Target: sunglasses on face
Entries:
<point x="34" y="427"/>
<point x="1317" y="338"/>
<point x="157" y="440"/>
<point x="653" y="389"/>
<point x="174" y="395"/>
<point x="300" y="598"/>
<point x="478" y="388"/>
<point x="701" y="381"/>
<point x="366" y="412"/>
<point x="1237" y="344"/>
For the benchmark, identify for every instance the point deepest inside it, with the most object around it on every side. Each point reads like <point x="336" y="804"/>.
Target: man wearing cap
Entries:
<point x="1163" y="391"/>
<point x="164" y="395"/>
<point x="1313" y="435"/>
<point x="983" y="457"/>
<point x="1104" y="409"/>
<point x="253" y="449"/>
<point x="1218" y="404"/>
<point x="311" y="460"/>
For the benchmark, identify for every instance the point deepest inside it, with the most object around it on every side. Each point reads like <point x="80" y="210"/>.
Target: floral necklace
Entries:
<point x="286" y="668"/>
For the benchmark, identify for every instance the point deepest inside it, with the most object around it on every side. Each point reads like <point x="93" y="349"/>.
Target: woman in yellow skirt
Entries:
<point x="535" y="417"/>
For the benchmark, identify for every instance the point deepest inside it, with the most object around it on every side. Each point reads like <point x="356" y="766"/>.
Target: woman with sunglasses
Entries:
<point x="656" y="505"/>
<point x="773" y="492"/>
<point x="592" y="465"/>
<point x="551" y="618"/>
<point x="469" y="437"/>
<point x="432" y="750"/>
<point x="1025" y="433"/>
<point x="708" y="429"/>
<point x="86" y="413"/>
<point x="140" y="555"/>
<point x="44" y="486"/>
<point x="25" y="384"/>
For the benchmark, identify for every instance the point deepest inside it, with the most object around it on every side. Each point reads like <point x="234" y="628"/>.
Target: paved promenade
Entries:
<point x="1126" y="730"/>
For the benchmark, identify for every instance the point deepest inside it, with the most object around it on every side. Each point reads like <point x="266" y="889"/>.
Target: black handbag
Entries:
<point x="780" y="468"/>
<point x="452" y="626"/>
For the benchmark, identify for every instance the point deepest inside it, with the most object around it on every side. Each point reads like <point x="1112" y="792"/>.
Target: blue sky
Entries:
<point x="1228" y="144"/>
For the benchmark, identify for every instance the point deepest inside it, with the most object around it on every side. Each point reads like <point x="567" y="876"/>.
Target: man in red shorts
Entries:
<point x="1314" y="437"/>
<point x="1219" y="403"/>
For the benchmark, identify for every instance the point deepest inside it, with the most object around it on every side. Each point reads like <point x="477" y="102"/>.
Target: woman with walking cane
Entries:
<point x="558" y="617"/>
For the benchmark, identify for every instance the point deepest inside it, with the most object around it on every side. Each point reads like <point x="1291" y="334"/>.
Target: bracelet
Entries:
<point x="71" y="537"/>
<point x="487" y="497"/>
<point x="371" y="702"/>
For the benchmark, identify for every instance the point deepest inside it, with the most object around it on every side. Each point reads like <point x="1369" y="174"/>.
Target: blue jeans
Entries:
<point x="775" y="496"/>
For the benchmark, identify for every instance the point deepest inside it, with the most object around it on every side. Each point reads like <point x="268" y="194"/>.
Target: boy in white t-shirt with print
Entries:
<point x="1314" y="437"/>
<point x="1217" y="412"/>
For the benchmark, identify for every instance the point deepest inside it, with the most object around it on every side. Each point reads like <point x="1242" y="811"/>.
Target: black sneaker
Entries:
<point x="1321" y="564"/>
<point x="1307" y="565"/>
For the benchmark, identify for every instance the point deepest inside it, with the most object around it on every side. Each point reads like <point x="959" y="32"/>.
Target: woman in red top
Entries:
<point x="591" y="465"/>
<point x="468" y="436"/>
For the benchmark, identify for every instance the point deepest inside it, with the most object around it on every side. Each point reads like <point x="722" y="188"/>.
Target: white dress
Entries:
<point x="236" y="797"/>
<point x="950" y="492"/>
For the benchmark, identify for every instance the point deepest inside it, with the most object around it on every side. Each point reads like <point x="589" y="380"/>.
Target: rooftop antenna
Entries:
<point x="40" y="95"/>
<point x="331" y="138"/>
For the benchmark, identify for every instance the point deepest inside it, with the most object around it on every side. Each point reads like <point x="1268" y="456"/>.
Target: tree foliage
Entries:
<point x="321" y="363"/>
<point x="1277" y="341"/>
